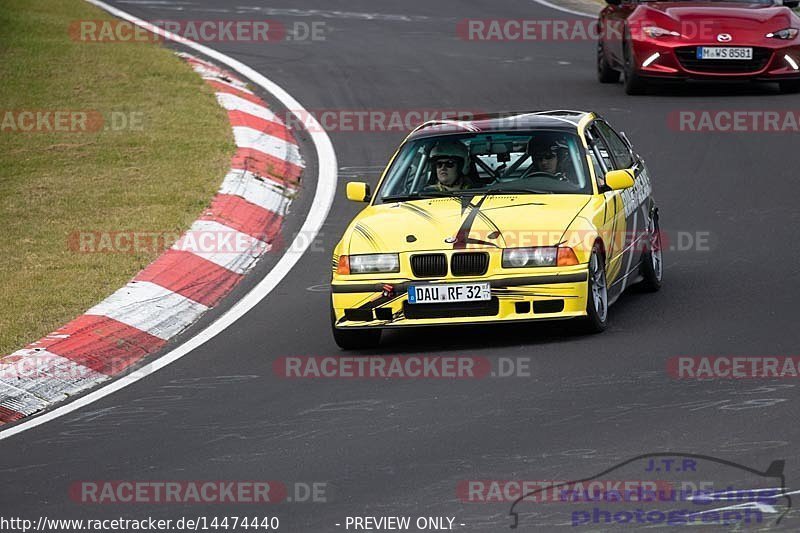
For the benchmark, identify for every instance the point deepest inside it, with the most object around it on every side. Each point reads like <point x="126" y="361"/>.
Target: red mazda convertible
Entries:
<point x="700" y="40"/>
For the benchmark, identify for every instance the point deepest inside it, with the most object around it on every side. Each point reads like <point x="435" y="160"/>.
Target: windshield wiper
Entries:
<point x="502" y="190"/>
<point x="418" y="196"/>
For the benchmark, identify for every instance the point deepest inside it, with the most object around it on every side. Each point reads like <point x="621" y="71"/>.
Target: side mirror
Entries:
<point x="617" y="180"/>
<point x="358" y="191"/>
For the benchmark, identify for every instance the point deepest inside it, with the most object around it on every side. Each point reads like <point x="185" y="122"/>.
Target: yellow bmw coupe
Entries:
<point x="508" y="217"/>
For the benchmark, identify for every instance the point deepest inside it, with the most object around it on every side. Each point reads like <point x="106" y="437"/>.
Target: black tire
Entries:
<point x="596" y="319"/>
<point x="355" y="339"/>
<point x="652" y="261"/>
<point x="790" y="87"/>
<point x="634" y="84"/>
<point x="605" y="74"/>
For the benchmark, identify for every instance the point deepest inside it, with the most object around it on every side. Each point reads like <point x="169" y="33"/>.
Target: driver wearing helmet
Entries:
<point x="450" y="160"/>
<point x="549" y="155"/>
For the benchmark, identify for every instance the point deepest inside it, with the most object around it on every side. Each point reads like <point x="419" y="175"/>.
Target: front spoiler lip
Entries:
<point x="547" y="279"/>
<point x="465" y="323"/>
<point x="730" y="78"/>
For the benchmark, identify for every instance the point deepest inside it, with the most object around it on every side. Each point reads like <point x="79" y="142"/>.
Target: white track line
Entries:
<point x="323" y="199"/>
<point x="565" y="9"/>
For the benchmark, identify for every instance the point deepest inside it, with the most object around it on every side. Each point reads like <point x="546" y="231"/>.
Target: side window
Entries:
<point x="412" y="161"/>
<point x="600" y="155"/>
<point x="599" y="171"/>
<point x="600" y="146"/>
<point x="622" y="155"/>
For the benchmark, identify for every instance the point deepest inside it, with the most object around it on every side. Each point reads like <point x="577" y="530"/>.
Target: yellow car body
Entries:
<point x="622" y="223"/>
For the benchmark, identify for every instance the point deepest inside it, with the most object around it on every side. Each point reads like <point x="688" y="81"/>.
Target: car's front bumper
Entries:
<point x="675" y="61"/>
<point x="557" y="293"/>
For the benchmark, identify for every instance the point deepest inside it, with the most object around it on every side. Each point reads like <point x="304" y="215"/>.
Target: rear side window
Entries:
<point x="600" y="147"/>
<point x="599" y="171"/>
<point x="622" y="155"/>
<point x="600" y="154"/>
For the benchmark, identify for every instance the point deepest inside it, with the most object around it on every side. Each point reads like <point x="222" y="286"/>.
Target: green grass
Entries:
<point x="53" y="184"/>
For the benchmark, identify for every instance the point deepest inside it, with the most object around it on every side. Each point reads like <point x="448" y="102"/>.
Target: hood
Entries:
<point x="481" y="221"/>
<point x="708" y="19"/>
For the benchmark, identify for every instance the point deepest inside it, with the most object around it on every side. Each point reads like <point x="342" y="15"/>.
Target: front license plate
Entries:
<point x="719" y="52"/>
<point x="463" y="292"/>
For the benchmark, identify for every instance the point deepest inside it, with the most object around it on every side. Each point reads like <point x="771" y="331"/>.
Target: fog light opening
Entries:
<point x="792" y="63"/>
<point x="548" y="306"/>
<point x="650" y="60"/>
<point x="384" y="313"/>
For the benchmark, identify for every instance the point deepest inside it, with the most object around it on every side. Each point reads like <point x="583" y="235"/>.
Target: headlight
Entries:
<point x="539" y="257"/>
<point x="785" y="34"/>
<point x="654" y="32"/>
<point x="529" y="257"/>
<point x="374" y="263"/>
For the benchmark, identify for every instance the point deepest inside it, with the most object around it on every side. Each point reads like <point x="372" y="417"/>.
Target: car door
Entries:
<point x="612" y="230"/>
<point x="632" y="206"/>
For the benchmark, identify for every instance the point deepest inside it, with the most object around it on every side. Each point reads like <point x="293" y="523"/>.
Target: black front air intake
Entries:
<point x="452" y="310"/>
<point x="359" y="315"/>
<point x="548" y="306"/>
<point x="688" y="58"/>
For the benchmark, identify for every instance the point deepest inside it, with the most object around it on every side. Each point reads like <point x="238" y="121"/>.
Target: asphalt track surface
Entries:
<point x="399" y="447"/>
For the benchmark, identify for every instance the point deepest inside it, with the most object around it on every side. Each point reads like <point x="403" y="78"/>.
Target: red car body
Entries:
<point x="669" y="40"/>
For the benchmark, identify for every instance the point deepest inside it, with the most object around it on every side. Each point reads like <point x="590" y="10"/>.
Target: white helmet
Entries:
<point x="453" y="149"/>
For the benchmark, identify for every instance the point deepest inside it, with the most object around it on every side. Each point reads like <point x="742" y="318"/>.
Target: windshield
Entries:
<point x="539" y="162"/>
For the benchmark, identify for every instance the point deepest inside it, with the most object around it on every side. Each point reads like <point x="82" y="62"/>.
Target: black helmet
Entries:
<point x="546" y="144"/>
